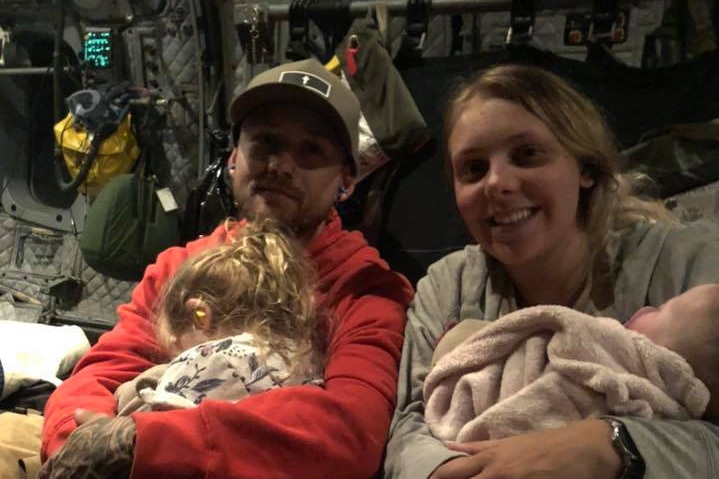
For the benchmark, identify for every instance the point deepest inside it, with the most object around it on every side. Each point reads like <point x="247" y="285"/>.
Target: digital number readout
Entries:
<point x="98" y="48"/>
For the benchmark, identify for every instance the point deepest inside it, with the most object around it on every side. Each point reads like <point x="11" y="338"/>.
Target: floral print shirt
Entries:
<point x="224" y="369"/>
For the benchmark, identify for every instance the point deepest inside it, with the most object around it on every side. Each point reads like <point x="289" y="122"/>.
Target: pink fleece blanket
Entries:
<point x="543" y="366"/>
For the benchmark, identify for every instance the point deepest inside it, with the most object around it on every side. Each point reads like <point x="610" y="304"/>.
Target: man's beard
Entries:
<point x="300" y="227"/>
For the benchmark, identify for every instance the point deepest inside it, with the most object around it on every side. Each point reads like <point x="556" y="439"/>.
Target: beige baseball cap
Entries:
<point x="310" y="84"/>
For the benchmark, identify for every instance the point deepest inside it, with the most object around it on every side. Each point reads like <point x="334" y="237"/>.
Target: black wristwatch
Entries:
<point x="621" y="440"/>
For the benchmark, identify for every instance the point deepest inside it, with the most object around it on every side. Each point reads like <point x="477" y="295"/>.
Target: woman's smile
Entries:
<point x="511" y="218"/>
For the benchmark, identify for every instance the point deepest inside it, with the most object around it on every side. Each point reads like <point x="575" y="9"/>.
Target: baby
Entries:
<point x="239" y="319"/>
<point x="546" y="365"/>
<point x="688" y="324"/>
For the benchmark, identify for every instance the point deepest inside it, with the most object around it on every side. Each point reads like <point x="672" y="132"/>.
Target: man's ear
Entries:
<point x="232" y="161"/>
<point x="347" y="186"/>
<point x="200" y="313"/>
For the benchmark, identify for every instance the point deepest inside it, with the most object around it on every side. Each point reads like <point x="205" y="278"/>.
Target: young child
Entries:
<point x="239" y="320"/>
<point x="544" y="366"/>
<point x="688" y="325"/>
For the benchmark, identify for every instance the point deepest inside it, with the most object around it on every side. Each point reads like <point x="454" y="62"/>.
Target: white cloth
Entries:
<point x="31" y="352"/>
<point x="543" y="366"/>
<point x="225" y="369"/>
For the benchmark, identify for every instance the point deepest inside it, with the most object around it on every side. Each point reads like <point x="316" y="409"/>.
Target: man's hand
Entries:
<point x="580" y="450"/>
<point x="101" y="447"/>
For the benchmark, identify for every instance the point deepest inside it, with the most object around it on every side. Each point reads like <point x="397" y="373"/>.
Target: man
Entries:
<point x="296" y="131"/>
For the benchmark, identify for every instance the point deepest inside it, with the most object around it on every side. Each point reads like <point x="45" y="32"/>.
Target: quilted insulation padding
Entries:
<point x="11" y="310"/>
<point x="30" y="259"/>
<point x="183" y="170"/>
<point x="163" y="57"/>
<point x="24" y="275"/>
<point x="101" y="294"/>
<point x="179" y="137"/>
<point x="7" y="238"/>
<point x="178" y="44"/>
<point x="179" y="82"/>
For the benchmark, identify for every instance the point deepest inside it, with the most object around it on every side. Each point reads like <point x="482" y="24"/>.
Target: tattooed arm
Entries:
<point x="100" y="448"/>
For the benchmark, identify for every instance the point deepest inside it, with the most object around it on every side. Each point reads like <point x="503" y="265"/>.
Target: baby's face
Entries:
<point x="670" y="320"/>
<point x="650" y="321"/>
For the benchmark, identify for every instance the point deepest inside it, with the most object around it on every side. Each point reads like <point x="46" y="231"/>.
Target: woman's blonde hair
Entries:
<point x="612" y="203"/>
<point x="261" y="283"/>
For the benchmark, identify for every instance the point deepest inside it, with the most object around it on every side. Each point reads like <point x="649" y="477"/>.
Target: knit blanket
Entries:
<point x="543" y="366"/>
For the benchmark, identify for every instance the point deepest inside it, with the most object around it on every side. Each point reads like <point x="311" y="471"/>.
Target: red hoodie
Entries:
<point x="297" y="432"/>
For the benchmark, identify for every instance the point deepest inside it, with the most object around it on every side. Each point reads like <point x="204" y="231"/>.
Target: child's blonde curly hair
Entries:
<point x="261" y="283"/>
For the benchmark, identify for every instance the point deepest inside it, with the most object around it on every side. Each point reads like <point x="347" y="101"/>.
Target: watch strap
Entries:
<point x="634" y="466"/>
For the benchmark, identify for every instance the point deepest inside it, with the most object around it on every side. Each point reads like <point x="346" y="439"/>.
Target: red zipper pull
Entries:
<point x="352" y="48"/>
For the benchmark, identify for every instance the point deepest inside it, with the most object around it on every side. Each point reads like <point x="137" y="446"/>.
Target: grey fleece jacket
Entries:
<point x="651" y="263"/>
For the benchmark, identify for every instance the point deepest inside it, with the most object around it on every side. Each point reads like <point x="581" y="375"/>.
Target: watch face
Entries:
<point x="622" y="442"/>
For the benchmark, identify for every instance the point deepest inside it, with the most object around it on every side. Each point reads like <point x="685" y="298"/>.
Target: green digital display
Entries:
<point x="97" y="48"/>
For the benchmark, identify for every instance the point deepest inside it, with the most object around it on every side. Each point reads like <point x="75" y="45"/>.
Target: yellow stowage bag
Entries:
<point x="116" y="156"/>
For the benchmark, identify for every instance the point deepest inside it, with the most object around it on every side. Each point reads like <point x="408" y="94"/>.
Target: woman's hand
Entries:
<point x="101" y="447"/>
<point x="580" y="450"/>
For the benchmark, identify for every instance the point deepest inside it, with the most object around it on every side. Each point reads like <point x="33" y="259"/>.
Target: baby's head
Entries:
<point x="688" y="324"/>
<point x="261" y="283"/>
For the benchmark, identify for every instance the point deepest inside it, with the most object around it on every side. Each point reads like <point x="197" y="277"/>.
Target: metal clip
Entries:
<point x="253" y="32"/>
<point x="299" y="27"/>
<point x="521" y="21"/>
<point x="415" y="30"/>
<point x="4" y="41"/>
<point x="608" y="25"/>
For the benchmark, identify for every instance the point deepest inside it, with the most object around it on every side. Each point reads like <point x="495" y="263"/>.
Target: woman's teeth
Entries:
<point x="513" y="217"/>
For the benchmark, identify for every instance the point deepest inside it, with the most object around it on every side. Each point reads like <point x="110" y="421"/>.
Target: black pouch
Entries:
<point x="209" y="203"/>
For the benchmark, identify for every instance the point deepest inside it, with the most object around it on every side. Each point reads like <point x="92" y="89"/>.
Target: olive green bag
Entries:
<point x="387" y="104"/>
<point x="392" y="128"/>
<point x="127" y="226"/>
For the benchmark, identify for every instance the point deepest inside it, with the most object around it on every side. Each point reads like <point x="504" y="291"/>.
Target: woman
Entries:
<point x="537" y="183"/>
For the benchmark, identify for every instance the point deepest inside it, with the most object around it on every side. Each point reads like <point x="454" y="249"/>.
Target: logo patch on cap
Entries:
<point x="307" y="80"/>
